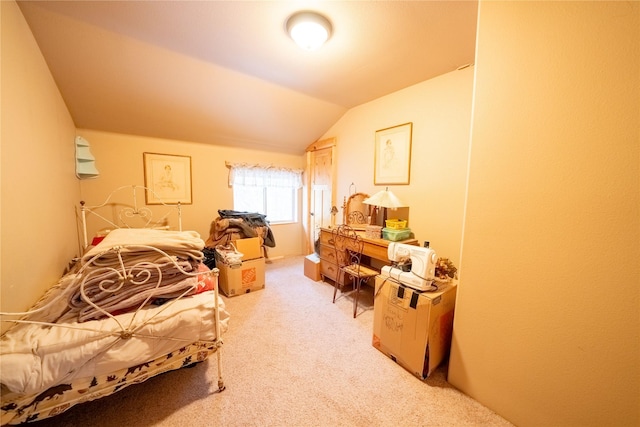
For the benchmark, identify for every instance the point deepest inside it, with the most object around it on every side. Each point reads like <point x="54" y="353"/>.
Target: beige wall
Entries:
<point x="39" y="187"/>
<point x="440" y="110"/>
<point x="546" y="326"/>
<point x="119" y="158"/>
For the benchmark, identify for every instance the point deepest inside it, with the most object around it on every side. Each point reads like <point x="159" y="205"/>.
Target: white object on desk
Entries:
<point x="423" y="265"/>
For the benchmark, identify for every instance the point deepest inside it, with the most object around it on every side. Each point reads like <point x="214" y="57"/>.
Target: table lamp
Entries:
<point x="384" y="199"/>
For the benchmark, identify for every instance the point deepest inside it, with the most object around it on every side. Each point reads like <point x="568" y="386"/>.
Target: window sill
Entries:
<point x="282" y="223"/>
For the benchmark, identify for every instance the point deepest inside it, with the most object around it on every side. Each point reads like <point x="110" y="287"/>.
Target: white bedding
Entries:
<point x="34" y="358"/>
<point x="184" y="244"/>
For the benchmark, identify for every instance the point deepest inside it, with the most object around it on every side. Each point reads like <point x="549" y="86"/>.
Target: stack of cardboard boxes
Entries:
<point x="412" y="327"/>
<point x="248" y="276"/>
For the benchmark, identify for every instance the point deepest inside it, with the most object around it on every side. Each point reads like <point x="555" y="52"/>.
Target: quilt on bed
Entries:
<point x="17" y="408"/>
<point x="35" y="358"/>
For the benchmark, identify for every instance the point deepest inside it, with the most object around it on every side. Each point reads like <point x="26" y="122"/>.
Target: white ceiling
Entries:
<point x="225" y="72"/>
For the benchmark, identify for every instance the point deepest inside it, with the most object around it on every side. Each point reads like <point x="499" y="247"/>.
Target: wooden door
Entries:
<point x="320" y="188"/>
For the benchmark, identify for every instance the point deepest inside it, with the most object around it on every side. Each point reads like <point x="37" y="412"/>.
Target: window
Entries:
<point x="278" y="204"/>
<point x="267" y="190"/>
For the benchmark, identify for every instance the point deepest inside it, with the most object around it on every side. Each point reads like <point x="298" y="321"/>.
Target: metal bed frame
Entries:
<point x="120" y="274"/>
<point x="127" y="213"/>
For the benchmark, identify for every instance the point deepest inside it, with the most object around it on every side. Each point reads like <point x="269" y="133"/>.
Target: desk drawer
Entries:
<point x="326" y="238"/>
<point x="328" y="253"/>
<point x="328" y="269"/>
<point x="377" y="252"/>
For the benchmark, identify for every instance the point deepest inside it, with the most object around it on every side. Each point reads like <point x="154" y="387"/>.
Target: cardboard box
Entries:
<point x="312" y="267"/>
<point x="249" y="247"/>
<point x="412" y="327"/>
<point x="241" y="279"/>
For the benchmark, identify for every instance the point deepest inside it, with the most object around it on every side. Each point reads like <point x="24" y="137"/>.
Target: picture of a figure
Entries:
<point x="166" y="180"/>
<point x="389" y="155"/>
<point x="393" y="155"/>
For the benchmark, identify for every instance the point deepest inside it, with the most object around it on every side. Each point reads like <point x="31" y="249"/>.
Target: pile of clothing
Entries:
<point x="233" y="225"/>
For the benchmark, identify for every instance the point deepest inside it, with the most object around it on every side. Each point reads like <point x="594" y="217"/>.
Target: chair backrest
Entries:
<point x="348" y="246"/>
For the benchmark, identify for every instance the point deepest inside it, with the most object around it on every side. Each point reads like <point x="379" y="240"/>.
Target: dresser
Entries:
<point x="374" y="250"/>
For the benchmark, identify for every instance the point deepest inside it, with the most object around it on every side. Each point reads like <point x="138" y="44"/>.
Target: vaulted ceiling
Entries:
<point x="226" y="72"/>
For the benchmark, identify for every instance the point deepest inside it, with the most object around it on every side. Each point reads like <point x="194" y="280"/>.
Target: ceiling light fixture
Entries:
<point x="309" y="29"/>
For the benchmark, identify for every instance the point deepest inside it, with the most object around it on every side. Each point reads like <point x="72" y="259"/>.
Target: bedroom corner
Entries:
<point x="37" y="136"/>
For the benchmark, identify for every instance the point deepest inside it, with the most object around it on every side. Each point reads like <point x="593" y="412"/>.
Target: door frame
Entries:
<point x="307" y="221"/>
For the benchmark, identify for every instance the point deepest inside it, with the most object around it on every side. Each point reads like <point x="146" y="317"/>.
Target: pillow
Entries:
<point x="205" y="281"/>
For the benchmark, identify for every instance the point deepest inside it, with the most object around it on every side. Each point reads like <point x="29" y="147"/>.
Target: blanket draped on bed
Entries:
<point x="148" y="274"/>
<point x="158" y="263"/>
<point x="156" y="284"/>
<point x="182" y="244"/>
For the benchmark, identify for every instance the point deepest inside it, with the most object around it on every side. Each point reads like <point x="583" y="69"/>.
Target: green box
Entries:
<point x="396" y="235"/>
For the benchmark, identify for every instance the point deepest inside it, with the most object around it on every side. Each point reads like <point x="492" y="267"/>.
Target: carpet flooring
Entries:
<point x="290" y="358"/>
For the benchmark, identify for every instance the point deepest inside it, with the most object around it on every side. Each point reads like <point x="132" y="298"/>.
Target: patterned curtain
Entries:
<point x="263" y="176"/>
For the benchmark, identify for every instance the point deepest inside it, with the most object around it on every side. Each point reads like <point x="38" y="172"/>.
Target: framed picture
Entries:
<point x="169" y="178"/>
<point x="392" y="161"/>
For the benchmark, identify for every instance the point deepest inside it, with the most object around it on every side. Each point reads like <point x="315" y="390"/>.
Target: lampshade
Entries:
<point x="385" y="199"/>
<point x="309" y="29"/>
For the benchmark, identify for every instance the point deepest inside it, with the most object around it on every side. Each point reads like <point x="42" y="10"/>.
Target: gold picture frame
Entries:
<point x="168" y="176"/>
<point x="392" y="156"/>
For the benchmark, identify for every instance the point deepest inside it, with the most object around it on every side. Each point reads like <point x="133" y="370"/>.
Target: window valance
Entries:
<point x="263" y="176"/>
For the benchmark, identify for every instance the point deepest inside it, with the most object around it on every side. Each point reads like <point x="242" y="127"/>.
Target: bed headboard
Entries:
<point x="124" y="207"/>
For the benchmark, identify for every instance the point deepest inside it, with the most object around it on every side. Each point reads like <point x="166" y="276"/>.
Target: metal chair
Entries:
<point x="348" y="246"/>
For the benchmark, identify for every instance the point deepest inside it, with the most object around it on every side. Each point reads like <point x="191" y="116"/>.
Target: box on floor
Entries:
<point x="243" y="278"/>
<point x="312" y="267"/>
<point x="412" y="327"/>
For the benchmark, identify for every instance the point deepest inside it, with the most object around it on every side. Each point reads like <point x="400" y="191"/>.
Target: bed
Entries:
<point x="138" y="302"/>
